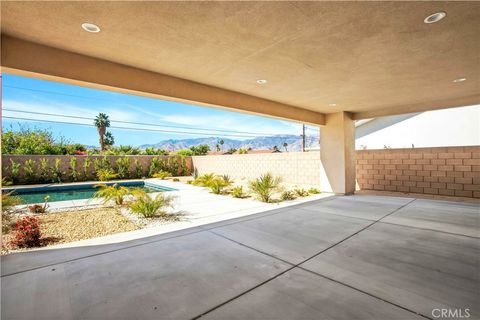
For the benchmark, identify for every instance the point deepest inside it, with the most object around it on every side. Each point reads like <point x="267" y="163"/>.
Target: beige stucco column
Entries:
<point x="337" y="154"/>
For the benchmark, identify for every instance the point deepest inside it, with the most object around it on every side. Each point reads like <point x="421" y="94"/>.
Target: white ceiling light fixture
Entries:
<point x="332" y="104"/>
<point x="261" y="81"/>
<point x="435" y="17"/>
<point x="90" y="27"/>
<point x="459" y="80"/>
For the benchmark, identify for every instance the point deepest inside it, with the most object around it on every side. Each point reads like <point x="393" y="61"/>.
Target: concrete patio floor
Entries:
<point x="356" y="257"/>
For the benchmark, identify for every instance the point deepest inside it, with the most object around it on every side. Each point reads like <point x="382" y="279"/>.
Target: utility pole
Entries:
<point x="303" y="138"/>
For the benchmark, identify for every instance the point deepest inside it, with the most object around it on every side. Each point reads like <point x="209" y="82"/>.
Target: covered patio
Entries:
<point x="326" y="64"/>
<point x="356" y="257"/>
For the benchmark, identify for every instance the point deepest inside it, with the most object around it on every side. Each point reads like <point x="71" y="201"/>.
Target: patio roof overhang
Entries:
<point x="369" y="59"/>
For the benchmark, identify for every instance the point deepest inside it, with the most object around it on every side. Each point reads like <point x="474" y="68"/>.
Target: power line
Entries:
<point x="140" y="123"/>
<point x="126" y="128"/>
<point x="57" y="93"/>
<point x="137" y="123"/>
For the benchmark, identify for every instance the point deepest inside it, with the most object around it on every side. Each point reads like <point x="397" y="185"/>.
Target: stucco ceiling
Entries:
<point x="362" y="56"/>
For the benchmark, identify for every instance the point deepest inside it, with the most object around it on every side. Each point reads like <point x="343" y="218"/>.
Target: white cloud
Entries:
<point x="127" y="112"/>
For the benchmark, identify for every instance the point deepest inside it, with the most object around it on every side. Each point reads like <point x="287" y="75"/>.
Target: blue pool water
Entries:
<point x="74" y="192"/>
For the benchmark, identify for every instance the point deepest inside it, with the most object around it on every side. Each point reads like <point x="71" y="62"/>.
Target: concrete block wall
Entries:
<point x="301" y="168"/>
<point x="448" y="171"/>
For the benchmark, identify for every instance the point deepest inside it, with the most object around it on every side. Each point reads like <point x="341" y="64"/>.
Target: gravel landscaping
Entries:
<point x="76" y="225"/>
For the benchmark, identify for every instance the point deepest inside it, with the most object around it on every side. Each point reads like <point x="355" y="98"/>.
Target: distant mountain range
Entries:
<point x="257" y="143"/>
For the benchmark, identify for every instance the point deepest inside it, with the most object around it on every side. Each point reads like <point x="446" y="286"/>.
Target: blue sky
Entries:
<point x="26" y="94"/>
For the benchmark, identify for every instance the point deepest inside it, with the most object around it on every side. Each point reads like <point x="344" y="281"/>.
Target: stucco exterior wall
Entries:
<point x="294" y="167"/>
<point x="448" y="171"/>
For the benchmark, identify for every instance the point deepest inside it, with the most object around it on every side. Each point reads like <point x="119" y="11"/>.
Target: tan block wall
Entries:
<point x="293" y="167"/>
<point x="448" y="171"/>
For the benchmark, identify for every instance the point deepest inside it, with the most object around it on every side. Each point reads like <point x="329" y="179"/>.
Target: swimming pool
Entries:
<point x="75" y="191"/>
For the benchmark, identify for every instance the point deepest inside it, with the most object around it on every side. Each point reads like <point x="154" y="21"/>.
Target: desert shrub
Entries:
<point x="123" y="150"/>
<point x="73" y="169"/>
<point x="162" y="175"/>
<point x="200" y="150"/>
<point x="288" y="195"/>
<point x="29" y="170"/>
<point x="237" y="192"/>
<point x="86" y="168"/>
<point x="56" y="173"/>
<point x="123" y="167"/>
<point x="217" y="184"/>
<point x="227" y="178"/>
<point x="150" y="207"/>
<point x="113" y="193"/>
<point x="6" y="182"/>
<point x="189" y="181"/>
<point x="14" y="170"/>
<point x="204" y="180"/>
<point x="154" y="166"/>
<point x="138" y="169"/>
<point x="102" y="163"/>
<point x="38" y="208"/>
<point x="175" y="180"/>
<point x="106" y="174"/>
<point x="184" y="152"/>
<point x="265" y="186"/>
<point x="173" y="165"/>
<point x="154" y="152"/>
<point x="44" y="171"/>
<point x="313" y="191"/>
<point x="27" y="232"/>
<point x="184" y="170"/>
<point x="9" y="202"/>
<point x="300" y="192"/>
<point x="36" y="141"/>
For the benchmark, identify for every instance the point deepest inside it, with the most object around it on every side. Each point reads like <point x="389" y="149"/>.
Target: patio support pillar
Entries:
<point x="337" y="154"/>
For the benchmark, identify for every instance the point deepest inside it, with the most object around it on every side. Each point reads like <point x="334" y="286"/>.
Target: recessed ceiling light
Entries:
<point x="332" y="104"/>
<point x="459" y="80"/>
<point x="261" y="81"/>
<point x="435" y="17"/>
<point x="90" y="27"/>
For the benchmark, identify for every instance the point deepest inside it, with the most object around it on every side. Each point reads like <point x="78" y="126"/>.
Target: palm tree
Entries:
<point x="217" y="147"/>
<point x="265" y="186"/>
<point x="285" y="145"/>
<point x="221" y="143"/>
<point x="108" y="139"/>
<point x="102" y="123"/>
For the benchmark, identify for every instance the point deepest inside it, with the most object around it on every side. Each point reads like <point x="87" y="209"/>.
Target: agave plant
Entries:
<point x="162" y="175"/>
<point x="150" y="207"/>
<point x="265" y="186"/>
<point x="300" y="192"/>
<point x="288" y="195"/>
<point x="237" y="192"/>
<point x="112" y="193"/>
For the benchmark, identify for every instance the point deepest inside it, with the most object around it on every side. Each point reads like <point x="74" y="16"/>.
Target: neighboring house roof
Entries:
<point x="219" y="153"/>
<point x="263" y="151"/>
